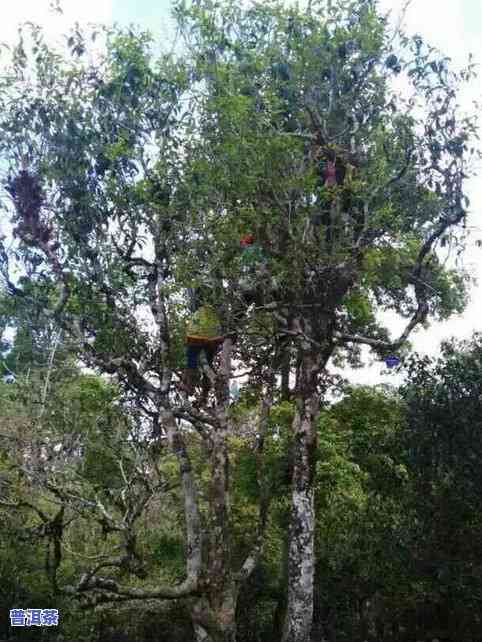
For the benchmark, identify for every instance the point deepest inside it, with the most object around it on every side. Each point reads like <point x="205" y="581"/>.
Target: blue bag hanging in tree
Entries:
<point x="392" y="361"/>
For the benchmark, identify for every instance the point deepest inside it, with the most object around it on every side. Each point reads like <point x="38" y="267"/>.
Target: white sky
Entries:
<point x="455" y="26"/>
<point x="38" y="11"/>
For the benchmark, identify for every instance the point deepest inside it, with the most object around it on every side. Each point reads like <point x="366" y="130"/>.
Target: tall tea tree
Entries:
<point x="133" y="181"/>
<point x="348" y="185"/>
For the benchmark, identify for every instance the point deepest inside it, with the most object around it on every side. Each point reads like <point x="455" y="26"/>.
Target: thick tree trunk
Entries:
<point x="214" y="614"/>
<point x="299" y="615"/>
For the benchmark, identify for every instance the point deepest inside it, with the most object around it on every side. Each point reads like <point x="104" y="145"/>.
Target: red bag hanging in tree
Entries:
<point x="247" y="240"/>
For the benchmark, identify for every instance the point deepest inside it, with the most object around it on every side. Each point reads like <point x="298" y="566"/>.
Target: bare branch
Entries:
<point x="185" y="589"/>
<point x="191" y="509"/>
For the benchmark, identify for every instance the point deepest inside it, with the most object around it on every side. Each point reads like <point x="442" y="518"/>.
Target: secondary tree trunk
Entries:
<point x="299" y="615"/>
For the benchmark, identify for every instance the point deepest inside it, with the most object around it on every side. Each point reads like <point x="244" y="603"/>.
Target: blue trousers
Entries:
<point x="193" y="353"/>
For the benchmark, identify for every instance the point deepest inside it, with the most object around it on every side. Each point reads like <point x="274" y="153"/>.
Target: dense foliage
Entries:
<point x="269" y="171"/>
<point x="399" y="524"/>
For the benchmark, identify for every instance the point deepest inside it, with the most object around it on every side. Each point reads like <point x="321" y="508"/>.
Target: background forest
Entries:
<point x="260" y="193"/>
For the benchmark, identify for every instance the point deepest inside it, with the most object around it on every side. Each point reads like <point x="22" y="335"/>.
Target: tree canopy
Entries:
<point x="135" y="185"/>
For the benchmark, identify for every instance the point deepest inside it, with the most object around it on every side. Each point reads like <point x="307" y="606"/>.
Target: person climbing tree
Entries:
<point x="252" y="263"/>
<point x="330" y="172"/>
<point x="335" y="170"/>
<point x="203" y="334"/>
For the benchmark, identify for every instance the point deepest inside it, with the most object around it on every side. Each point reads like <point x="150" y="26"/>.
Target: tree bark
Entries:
<point x="214" y="614"/>
<point x="299" y="615"/>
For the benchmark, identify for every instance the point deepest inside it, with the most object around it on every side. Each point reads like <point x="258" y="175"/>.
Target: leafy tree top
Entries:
<point x="136" y="178"/>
